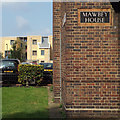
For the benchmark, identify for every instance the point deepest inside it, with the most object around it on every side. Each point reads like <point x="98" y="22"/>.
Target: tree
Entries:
<point x="1" y="55"/>
<point x="16" y="53"/>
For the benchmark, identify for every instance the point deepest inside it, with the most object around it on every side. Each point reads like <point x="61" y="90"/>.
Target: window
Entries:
<point x="47" y="65"/>
<point x="25" y="40"/>
<point x="42" y="52"/>
<point x="11" y="42"/>
<point x="7" y="53"/>
<point x="7" y="64"/>
<point x="34" y="52"/>
<point x="34" y="42"/>
<point x="44" y="39"/>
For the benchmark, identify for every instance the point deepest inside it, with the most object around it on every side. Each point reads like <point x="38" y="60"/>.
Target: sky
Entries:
<point x="26" y="18"/>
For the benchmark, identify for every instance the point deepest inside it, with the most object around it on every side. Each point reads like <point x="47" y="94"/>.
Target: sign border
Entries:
<point x="95" y="24"/>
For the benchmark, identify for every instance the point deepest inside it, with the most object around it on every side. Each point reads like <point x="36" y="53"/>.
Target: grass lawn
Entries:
<point x="21" y="102"/>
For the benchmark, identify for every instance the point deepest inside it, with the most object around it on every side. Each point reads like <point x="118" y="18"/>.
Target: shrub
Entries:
<point x="29" y="73"/>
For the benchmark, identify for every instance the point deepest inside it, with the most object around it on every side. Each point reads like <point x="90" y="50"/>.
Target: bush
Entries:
<point x="29" y="73"/>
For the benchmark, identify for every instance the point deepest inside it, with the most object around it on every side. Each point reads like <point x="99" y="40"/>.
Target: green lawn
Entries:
<point x="21" y="102"/>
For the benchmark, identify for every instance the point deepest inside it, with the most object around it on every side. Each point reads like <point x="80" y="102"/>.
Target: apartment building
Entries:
<point x="34" y="48"/>
<point x="7" y="43"/>
<point x="39" y="49"/>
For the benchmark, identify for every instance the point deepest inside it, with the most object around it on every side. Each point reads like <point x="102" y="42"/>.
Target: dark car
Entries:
<point x="48" y="71"/>
<point x="9" y="70"/>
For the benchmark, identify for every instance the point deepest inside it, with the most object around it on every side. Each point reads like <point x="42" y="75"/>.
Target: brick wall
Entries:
<point x="56" y="49"/>
<point x="90" y="63"/>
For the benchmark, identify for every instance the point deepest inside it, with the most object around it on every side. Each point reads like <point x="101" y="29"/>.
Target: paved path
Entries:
<point x="54" y="110"/>
<point x="0" y="83"/>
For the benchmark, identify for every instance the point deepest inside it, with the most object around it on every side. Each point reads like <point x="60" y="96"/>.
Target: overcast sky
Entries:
<point x="26" y="18"/>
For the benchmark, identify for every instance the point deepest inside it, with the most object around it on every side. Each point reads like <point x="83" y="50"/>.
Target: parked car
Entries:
<point x="33" y="63"/>
<point x="48" y="71"/>
<point x="47" y="66"/>
<point x="25" y="63"/>
<point x="9" y="70"/>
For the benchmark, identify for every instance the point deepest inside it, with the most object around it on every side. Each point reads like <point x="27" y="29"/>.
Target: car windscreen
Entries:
<point x="4" y="64"/>
<point x="47" y="65"/>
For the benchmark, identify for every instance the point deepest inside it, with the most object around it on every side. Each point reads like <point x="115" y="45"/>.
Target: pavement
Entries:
<point x="54" y="110"/>
<point x="0" y="83"/>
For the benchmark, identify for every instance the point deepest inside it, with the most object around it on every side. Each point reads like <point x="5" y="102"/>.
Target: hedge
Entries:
<point x="28" y="73"/>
